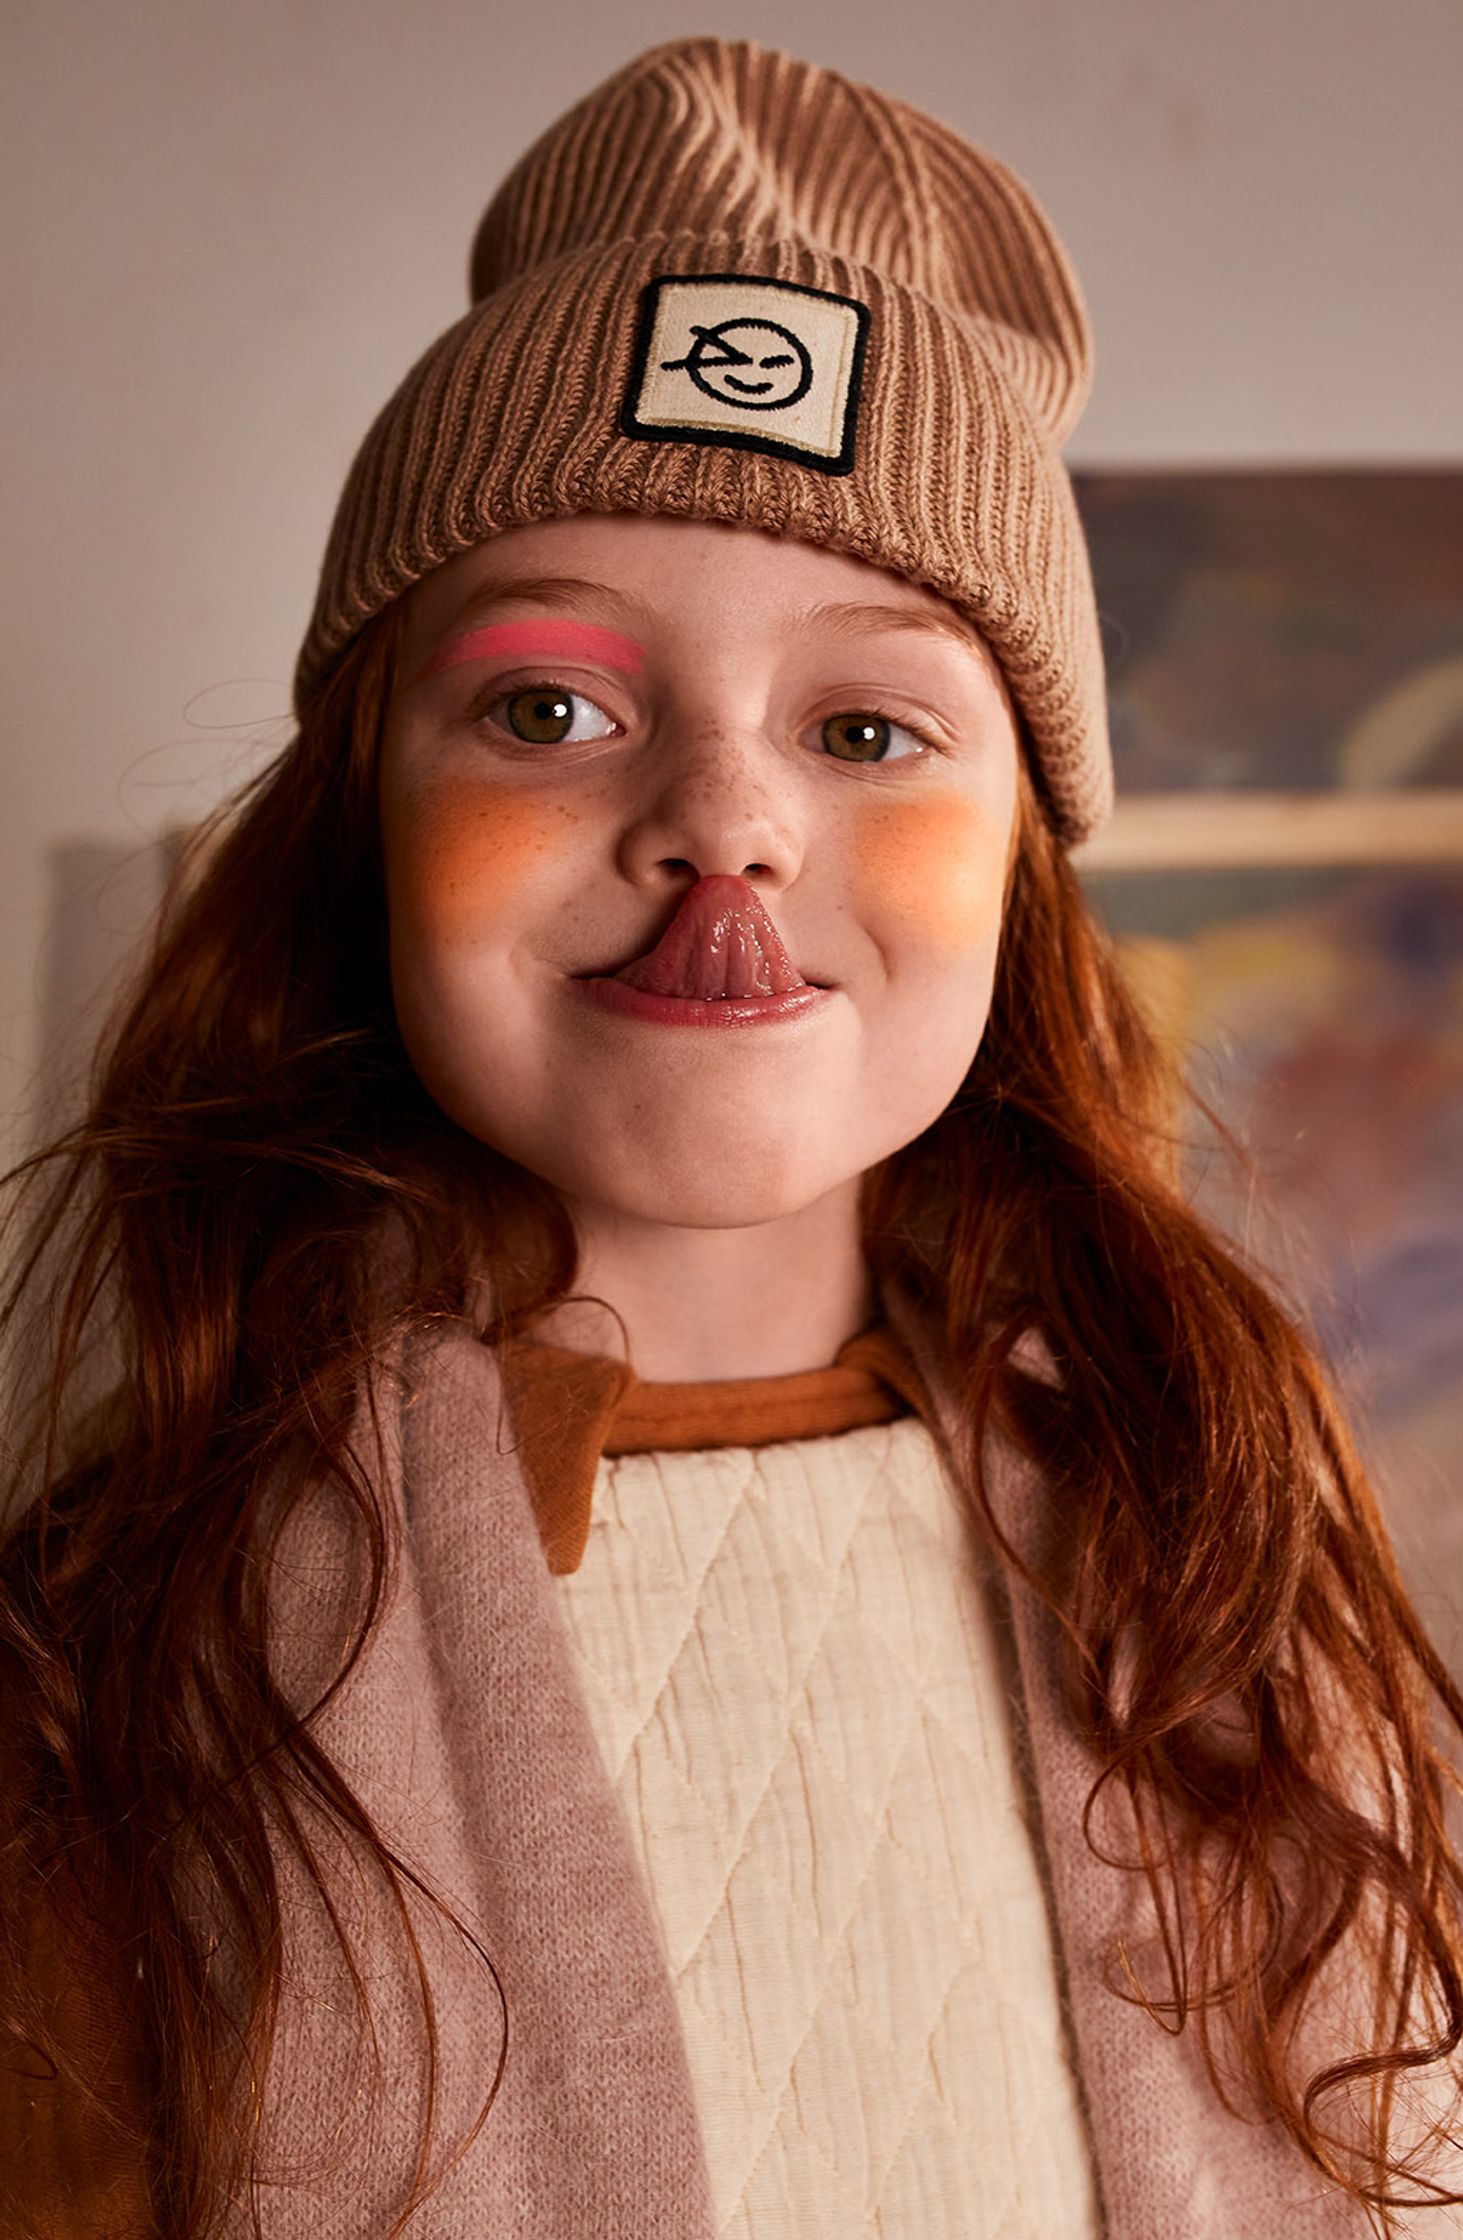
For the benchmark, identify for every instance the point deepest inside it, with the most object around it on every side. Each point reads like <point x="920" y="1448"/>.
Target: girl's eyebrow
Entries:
<point x="848" y="618"/>
<point x="547" y="636"/>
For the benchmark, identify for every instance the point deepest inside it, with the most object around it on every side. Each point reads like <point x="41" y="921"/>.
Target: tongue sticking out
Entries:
<point x="720" y="942"/>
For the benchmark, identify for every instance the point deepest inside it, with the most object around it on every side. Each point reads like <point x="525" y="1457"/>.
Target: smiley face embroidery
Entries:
<point x="754" y="363"/>
<point x="747" y="361"/>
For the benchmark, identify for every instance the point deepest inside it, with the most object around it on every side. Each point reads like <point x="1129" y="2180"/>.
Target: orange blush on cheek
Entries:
<point x="937" y="865"/>
<point x="462" y="854"/>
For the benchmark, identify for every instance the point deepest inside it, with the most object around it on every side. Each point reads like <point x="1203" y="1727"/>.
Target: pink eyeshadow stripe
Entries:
<point x="568" y="641"/>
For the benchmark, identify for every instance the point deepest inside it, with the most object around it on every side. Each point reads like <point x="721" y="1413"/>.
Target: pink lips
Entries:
<point x="720" y="962"/>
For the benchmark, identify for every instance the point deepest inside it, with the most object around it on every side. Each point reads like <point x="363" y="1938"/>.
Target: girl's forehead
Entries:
<point x="640" y="570"/>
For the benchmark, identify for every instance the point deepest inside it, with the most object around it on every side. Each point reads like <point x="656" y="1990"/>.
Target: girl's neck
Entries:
<point x="709" y="1304"/>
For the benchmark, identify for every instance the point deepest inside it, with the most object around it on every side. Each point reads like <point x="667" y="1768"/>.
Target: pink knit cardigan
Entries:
<point x="469" y="1739"/>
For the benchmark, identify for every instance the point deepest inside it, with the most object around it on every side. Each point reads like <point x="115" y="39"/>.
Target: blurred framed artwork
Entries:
<point x="1285" y="874"/>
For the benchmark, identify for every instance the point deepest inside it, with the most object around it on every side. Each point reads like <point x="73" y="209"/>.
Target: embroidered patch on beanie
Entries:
<point x="765" y="365"/>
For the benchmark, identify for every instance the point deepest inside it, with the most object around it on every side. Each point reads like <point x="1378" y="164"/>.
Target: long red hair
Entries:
<point x="199" y="1294"/>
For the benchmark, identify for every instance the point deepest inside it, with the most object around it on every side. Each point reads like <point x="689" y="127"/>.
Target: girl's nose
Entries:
<point x="717" y="800"/>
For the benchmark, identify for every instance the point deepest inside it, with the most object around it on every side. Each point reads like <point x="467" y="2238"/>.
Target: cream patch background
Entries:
<point x="828" y="329"/>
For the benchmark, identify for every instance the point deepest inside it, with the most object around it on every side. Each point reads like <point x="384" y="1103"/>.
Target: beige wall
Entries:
<point x="231" y="224"/>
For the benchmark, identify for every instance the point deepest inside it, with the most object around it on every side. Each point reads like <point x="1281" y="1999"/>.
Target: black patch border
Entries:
<point x="734" y="438"/>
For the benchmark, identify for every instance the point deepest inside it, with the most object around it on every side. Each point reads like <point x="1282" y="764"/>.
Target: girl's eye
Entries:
<point x="545" y="715"/>
<point x="862" y="735"/>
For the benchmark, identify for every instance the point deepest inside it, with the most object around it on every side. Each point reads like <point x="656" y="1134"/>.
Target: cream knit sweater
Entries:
<point x="792" y="1677"/>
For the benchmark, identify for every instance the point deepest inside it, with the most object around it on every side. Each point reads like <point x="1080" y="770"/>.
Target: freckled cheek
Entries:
<point x="462" y="860"/>
<point x="932" y="871"/>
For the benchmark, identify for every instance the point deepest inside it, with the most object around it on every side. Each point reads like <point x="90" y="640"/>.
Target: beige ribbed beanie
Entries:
<point x="737" y="287"/>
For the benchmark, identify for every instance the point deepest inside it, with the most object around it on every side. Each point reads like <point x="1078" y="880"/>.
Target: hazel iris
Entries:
<point x="541" y="715"/>
<point x="857" y="738"/>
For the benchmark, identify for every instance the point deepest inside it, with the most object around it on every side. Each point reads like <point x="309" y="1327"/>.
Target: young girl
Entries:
<point x="658" y="1583"/>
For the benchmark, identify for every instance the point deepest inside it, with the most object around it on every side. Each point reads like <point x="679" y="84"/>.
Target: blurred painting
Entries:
<point x="1269" y="637"/>
<point x="1295" y="631"/>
